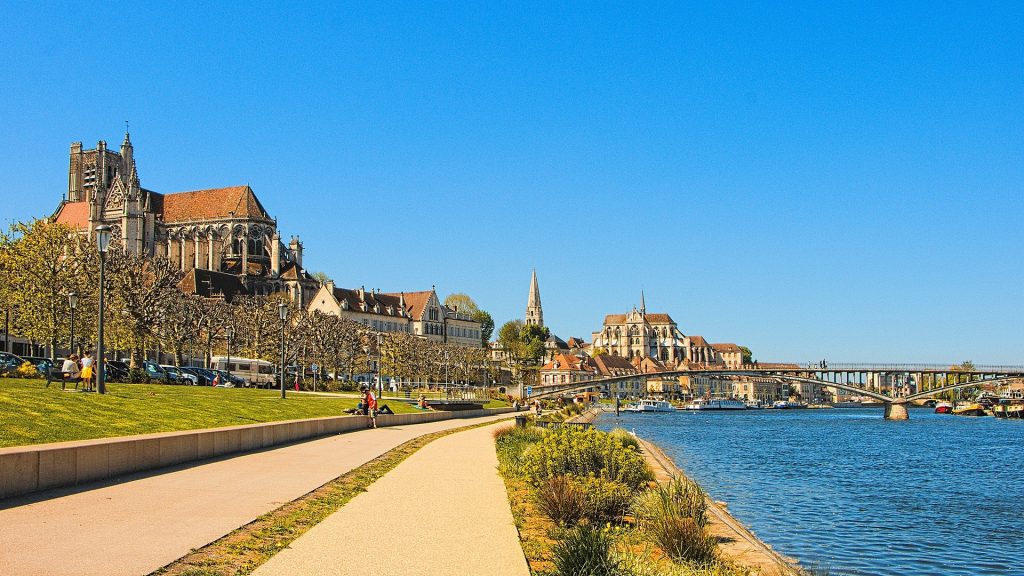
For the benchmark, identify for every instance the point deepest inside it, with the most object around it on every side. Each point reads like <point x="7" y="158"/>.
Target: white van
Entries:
<point x="257" y="373"/>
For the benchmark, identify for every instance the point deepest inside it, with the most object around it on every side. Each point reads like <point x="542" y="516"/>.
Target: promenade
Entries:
<point x="443" y="511"/>
<point x="149" y="520"/>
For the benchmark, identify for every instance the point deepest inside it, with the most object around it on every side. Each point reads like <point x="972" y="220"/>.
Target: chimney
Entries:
<point x="275" y="253"/>
<point x="362" y="293"/>
<point x="330" y="286"/>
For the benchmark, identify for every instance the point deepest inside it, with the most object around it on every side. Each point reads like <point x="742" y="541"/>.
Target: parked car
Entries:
<point x="232" y="378"/>
<point x="155" y="372"/>
<point x="9" y="361"/>
<point x="176" y="376"/>
<point x="197" y="373"/>
<point x="116" y="371"/>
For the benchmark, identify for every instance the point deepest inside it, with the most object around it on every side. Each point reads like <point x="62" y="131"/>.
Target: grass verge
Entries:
<point x="30" y="413"/>
<point x="247" y="548"/>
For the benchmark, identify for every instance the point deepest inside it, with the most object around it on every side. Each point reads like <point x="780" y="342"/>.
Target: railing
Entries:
<point x="816" y="367"/>
<point x="551" y="424"/>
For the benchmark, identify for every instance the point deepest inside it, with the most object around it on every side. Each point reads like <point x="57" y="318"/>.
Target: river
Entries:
<point x="846" y="490"/>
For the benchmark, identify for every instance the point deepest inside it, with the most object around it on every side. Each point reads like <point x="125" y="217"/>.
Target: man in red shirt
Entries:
<point x="370" y="405"/>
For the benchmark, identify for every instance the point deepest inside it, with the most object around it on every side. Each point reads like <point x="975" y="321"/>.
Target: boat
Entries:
<point x="1010" y="405"/>
<point x="650" y="406"/>
<point x="970" y="409"/>
<point x="847" y="404"/>
<point x="715" y="404"/>
<point x="787" y="404"/>
<point x="943" y="408"/>
<point x="754" y="405"/>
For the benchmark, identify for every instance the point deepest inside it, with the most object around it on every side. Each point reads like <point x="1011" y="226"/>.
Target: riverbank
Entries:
<point x="735" y="540"/>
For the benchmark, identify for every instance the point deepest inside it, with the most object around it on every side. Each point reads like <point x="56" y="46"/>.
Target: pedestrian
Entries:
<point x="216" y="380"/>
<point x="87" y="370"/>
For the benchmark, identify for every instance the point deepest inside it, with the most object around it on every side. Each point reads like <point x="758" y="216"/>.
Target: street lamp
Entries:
<point x="102" y="244"/>
<point x="73" y="303"/>
<point x="230" y="332"/>
<point x="282" y="310"/>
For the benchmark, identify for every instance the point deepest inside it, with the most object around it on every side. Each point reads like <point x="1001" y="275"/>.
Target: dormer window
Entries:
<point x="344" y="304"/>
<point x="362" y="306"/>
<point x="376" y="308"/>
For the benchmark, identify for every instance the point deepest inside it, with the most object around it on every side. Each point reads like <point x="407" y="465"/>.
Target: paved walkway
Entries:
<point x="443" y="511"/>
<point x="139" y="525"/>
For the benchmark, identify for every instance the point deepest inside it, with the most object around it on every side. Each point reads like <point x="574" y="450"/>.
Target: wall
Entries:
<point x="27" y="469"/>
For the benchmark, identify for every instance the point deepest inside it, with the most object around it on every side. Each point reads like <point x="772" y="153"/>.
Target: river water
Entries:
<point x="846" y="490"/>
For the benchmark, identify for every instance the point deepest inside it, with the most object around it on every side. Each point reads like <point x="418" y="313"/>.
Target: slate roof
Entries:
<point x="372" y="300"/>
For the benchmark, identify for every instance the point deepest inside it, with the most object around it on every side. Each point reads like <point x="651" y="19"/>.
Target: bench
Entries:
<point x="53" y="375"/>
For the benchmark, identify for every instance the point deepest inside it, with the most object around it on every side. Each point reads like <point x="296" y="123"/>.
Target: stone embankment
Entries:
<point x="736" y="541"/>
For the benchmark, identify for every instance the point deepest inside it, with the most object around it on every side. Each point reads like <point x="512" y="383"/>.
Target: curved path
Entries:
<point x="148" y="520"/>
<point x="443" y="511"/>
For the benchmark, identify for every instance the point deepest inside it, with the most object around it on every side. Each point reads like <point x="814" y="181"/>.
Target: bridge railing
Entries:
<point x="869" y="367"/>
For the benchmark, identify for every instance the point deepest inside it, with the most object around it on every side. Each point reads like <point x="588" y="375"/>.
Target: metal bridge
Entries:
<point x="895" y="385"/>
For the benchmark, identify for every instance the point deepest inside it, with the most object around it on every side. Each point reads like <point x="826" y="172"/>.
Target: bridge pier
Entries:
<point x="896" y="411"/>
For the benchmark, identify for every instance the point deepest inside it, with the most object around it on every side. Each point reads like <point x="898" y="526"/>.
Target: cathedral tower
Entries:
<point x="534" y="313"/>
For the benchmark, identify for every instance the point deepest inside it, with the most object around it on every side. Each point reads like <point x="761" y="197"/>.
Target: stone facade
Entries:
<point x="222" y="229"/>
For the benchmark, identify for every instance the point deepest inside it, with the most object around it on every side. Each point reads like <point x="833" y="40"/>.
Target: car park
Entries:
<point x="155" y="372"/>
<point x="201" y="379"/>
<point x="176" y="376"/>
<point x="117" y="370"/>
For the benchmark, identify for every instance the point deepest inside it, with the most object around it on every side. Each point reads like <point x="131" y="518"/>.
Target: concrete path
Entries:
<point x="443" y="511"/>
<point x="145" y="522"/>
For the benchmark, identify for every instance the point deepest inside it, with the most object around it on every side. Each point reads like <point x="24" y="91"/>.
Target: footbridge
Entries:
<point x="894" y="385"/>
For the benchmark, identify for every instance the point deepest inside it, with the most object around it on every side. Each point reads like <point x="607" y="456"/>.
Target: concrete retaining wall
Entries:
<point x="27" y="469"/>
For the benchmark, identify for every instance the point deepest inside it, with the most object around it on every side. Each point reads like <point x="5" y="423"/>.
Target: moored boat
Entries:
<point x="787" y="404"/>
<point x="943" y="408"/>
<point x="715" y="404"/>
<point x="650" y="406"/>
<point x="970" y="409"/>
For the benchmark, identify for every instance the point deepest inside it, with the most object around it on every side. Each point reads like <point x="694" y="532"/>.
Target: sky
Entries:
<point x="812" y="180"/>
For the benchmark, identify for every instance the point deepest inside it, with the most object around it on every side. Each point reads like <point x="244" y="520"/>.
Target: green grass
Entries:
<point x="33" y="414"/>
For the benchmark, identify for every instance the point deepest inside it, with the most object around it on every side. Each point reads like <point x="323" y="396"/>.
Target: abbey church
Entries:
<point x="220" y="237"/>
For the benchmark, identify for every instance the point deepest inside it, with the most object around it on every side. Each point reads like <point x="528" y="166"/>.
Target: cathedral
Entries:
<point x="215" y="236"/>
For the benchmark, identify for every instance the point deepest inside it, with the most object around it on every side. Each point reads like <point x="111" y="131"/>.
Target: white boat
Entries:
<point x="783" y="404"/>
<point x="650" y="406"/>
<point x="715" y="404"/>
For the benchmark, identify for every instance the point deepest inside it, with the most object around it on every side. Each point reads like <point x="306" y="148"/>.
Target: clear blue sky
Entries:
<point x="817" y="180"/>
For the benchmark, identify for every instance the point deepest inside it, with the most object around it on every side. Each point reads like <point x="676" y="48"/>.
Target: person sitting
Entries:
<point x="69" y="372"/>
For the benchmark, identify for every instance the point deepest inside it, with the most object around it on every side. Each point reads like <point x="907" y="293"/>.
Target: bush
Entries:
<point x="561" y="499"/>
<point x="603" y="500"/>
<point x="675" y="515"/>
<point x="626" y="438"/>
<point x="27" y="370"/>
<point x="586" y="551"/>
<point x="511" y="443"/>
<point x="585" y="453"/>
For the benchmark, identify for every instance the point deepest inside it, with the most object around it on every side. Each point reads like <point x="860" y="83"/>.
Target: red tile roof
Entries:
<point x="416" y="302"/>
<point x="660" y="319"/>
<point x="384" y="300"/>
<point x="727" y="347"/>
<point x="613" y="365"/>
<point x="212" y="203"/>
<point x="568" y="362"/>
<point x="698" y="341"/>
<point x="74" y="214"/>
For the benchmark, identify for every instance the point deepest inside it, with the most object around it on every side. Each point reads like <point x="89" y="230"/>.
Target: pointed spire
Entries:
<point x="127" y="137"/>
<point x="534" y="312"/>
<point x="643" y="306"/>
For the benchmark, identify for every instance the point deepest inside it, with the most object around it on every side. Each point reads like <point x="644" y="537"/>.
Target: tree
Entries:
<point x="140" y="291"/>
<point x="523" y="347"/>
<point x="321" y="277"/>
<point x="42" y="262"/>
<point x="181" y="322"/>
<point x="486" y="326"/>
<point x="461" y="303"/>
<point x="748" y="356"/>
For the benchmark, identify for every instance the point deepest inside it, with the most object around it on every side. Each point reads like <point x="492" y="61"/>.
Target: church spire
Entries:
<point x="534" y="312"/>
<point x="643" y="305"/>
<point x="127" y="157"/>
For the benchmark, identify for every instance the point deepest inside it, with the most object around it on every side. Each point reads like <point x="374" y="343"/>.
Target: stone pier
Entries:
<point x="896" y="411"/>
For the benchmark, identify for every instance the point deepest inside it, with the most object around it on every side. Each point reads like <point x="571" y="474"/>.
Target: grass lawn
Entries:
<point x="33" y="414"/>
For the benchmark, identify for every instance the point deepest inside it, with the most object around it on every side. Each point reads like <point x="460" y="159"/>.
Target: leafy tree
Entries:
<point x="486" y="326"/>
<point x="140" y="292"/>
<point x="321" y="277"/>
<point x="462" y="303"/>
<point x="42" y="262"/>
<point x="748" y="356"/>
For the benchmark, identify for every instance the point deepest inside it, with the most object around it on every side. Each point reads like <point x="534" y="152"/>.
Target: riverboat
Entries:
<point x="715" y="404"/>
<point x="650" y="406"/>
<point x="943" y="408"/>
<point x="787" y="404"/>
<point x="970" y="409"/>
<point x="1010" y="405"/>
<point x="754" y="405"/>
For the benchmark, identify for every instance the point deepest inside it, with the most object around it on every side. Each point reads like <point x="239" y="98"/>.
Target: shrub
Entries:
<point x="511" y="444"/>
<point x="675" y="515"/>
<point x="560" y="499"/>
<point x="27" y="370"/>
<point x="586" y="551"/>
<point x="626" y="438"/>
<point x="603" y="500"/>
<point x="584" y="453"/>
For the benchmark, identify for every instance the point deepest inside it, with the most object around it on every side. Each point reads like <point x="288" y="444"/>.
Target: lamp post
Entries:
<point x="72" y="303"/>
<point x="282" y="310"/>
<point x="230" y="333"/>
<point x="102" y="244"/>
